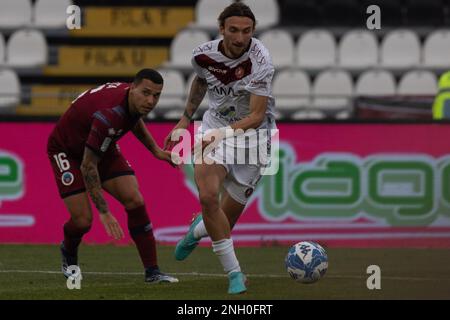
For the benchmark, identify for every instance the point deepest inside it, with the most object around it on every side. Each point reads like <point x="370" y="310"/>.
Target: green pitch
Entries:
<point x="114" y="272"/>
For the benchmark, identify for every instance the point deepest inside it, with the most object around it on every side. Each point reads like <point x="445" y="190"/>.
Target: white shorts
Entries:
<point x="237" y="190"/>
<point x="241" y="179"/>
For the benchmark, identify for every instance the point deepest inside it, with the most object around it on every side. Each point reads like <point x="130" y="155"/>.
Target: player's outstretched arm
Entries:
<point x="258" y="107"/>
<point x="91" y="178"/>
<point x="144" y="136"/>
<point x="198" y="90"/>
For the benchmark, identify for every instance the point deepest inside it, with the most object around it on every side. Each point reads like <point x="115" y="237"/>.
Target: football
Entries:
<point x="306" y="262"/>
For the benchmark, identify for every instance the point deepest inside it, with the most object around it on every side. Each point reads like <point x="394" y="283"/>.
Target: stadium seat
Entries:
<point x="172" y="96"/>
<point x="176" y="113"/>
<point x="400" y="49"/>
<point x="182" y="46"/>
<point x="15" y="13"/>
<point x="342" y="13"/>
<point x="51" y="13"/>
<point x="358" y="49"/>
<point x="391" y="12"/>
<point x="332" y="90"/>
<point x="342" y="115"/>
<point x="207" y="12"/>
<point x="292" y="90"/>
<point x="418" y="82"/>
<point x="425" y="13"/>
<point x="375" y="83"/>
<point x="308" y="115"/>
<point x="281" y="47"/>
<point x="266" y="12"/>
<point x="27" y="48"/>
<point x="2" y="50"/>
<point x="304" y="13"/>
<point x="316" y="49"/>
<point x="9" y="90"/>
<point x="436" y="49"/>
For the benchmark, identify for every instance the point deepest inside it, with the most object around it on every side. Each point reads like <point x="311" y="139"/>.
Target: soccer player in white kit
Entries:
<point x="237" y="72"/>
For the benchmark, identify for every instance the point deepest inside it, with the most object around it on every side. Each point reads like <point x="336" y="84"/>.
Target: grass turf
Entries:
<point x="114" y="272"/>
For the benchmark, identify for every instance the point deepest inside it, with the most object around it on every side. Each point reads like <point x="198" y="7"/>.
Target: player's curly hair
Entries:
<point x="149" y="74"/>
<point x="236" y="9"/>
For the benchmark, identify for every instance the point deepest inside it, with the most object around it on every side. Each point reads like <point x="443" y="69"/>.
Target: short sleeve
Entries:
<point x="102" y="133"/>
<point x="198" y="70"/>
<point x="261" y="82"/>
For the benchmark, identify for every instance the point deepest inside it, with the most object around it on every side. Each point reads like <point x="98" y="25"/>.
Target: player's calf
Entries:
<point x="67" y="260"/>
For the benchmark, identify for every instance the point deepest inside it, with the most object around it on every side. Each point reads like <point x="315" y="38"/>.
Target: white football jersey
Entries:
<point x="231" y="81"/>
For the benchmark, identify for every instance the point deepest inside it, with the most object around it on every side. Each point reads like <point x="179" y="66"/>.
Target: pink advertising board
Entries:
<point x="340" y="184"/>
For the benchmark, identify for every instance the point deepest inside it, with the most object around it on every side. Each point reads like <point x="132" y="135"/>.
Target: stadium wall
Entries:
<point x="343" y="184"/>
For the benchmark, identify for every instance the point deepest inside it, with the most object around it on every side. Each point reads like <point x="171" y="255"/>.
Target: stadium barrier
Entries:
<point x="394" y="107"/>
<point x="343" y="184"/>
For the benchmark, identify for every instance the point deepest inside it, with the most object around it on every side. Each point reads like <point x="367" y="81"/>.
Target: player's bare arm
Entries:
<point x="144" y="136"/>
<point x="92" y="181"/>
<point x="258" y="107"/>
<point x="197" y="93"/>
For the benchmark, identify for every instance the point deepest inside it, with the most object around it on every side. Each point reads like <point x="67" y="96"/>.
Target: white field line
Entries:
<point x="218" y="275"/>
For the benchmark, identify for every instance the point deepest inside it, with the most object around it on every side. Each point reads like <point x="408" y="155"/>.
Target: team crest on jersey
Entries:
<point x="239" y="72"/>
<point x="67" y="178"/>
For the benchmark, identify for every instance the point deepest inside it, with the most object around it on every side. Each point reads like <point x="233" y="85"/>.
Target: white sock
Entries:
<point x="200" y="230"/>
<point x="225" y="251"/>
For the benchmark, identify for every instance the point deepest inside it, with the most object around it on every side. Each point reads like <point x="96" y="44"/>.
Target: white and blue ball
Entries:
<point x="306" y="262"/>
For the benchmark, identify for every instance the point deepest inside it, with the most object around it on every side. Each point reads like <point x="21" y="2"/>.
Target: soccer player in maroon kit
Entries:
<point x="85" y="158"/>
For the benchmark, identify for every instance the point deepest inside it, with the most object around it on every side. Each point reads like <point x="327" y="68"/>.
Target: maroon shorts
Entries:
<point x="68" y="175"/>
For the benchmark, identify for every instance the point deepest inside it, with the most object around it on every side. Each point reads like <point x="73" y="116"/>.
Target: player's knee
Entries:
<point x="133" y="201"/>
<point x="84" y="223"/>
<point x="209" y="200"/>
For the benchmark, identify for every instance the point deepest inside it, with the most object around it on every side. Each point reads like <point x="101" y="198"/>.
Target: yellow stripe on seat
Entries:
<point x="106" y="60"/>
<point x="133" y="22"/>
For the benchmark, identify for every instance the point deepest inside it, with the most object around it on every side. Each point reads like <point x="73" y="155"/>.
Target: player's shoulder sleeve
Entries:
<point x="104" y="128"/>
<point x="200" y="57"/>
<point x="102" y="93"/>
<point x="262" y="70"/>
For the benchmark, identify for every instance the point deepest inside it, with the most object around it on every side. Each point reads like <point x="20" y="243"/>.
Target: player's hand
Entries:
<point x="213" y="137"/>
<point x="172" y="158"/>
<point x="111" y="225"/>
<point x="169" y="143"/>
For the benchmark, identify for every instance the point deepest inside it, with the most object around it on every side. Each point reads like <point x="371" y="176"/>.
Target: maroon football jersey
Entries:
<point x="96" y="119"/>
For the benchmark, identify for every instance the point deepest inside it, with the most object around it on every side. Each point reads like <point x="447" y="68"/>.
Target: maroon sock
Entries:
<point x="72" y="236"/>
<point x="141" y="231"/>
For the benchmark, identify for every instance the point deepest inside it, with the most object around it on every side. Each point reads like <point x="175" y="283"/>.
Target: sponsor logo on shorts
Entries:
<point x="67" y="178"/>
